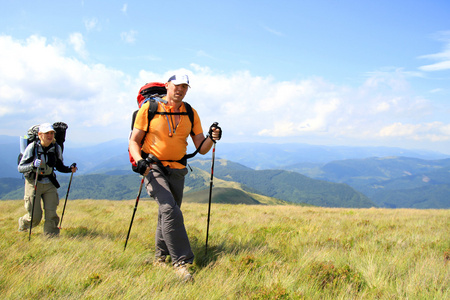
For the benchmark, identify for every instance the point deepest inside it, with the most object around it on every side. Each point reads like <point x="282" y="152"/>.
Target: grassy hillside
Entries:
<point x="390" y="181"/>
<point x="420" y="198"/>
<point x="255" y="252"/>
<point x="287" y="186"/>
<point x="231" y="196"/>
<point x="297" y="188"/>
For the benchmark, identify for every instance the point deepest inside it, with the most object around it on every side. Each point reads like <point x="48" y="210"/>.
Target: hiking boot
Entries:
<point x="51" y="235"/>
<point x="157" y="261"/>
<point x="21" y="229"/>
<point x="182" y="271"/>
<point x="160" y="261"/>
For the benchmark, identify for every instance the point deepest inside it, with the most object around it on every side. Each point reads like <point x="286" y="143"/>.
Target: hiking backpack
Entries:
<point x="154" y="92"/>
<point x="32" y="136"/>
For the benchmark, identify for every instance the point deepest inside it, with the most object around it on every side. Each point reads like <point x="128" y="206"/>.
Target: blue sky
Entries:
<point x="359" y="73"/>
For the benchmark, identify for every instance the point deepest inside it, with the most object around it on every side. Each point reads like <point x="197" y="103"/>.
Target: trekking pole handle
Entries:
<point x="210" y="133"/>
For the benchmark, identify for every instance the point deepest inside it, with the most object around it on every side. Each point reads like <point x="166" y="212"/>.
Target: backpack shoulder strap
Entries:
<point x="152" y="109"/>
<point x="190" y="113"/>
<point x="58" y="150"/>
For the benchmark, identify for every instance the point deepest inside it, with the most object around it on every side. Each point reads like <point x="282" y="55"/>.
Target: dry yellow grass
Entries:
<point x="255" y="252"/>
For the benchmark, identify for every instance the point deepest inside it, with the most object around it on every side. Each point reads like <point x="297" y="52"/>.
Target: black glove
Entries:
<point x="142" y="166"/>
<point x="74" y="165"/>
<point x="210" y="132"/>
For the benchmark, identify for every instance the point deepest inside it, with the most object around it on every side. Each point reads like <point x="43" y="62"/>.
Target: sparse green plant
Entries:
<point x="329" y="276"/>
<point x="255" y="252"/>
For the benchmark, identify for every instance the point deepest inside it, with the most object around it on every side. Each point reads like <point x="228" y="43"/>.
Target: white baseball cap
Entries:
<point x="179" y="79"/>
<point x="46" y="127"/>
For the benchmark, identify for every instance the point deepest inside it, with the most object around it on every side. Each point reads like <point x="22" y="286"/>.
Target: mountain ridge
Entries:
<point x="375" y="178"/>
<point x="123" y="187"/>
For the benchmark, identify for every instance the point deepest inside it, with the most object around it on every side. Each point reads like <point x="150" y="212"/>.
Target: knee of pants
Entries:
<point x="169" y="212"/>
<point x="37" y="214"/>
<point x="51" y="215"/>
<point x="36" y="220"/>
<point x="29" y="203"/>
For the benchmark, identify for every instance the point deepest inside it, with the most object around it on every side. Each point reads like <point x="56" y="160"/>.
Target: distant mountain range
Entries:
<point x="112" y="156"/>
<point x="389" y="181"/>
<point x="263" y="174"/>
<point x="288" y="186"/>
<point x="266" y="187"/>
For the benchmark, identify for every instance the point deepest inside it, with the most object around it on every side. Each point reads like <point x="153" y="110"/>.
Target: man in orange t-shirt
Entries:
<point x="166" y="140"/>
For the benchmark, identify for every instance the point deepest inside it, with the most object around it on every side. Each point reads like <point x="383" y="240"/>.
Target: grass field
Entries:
<point x="255" y="252"/>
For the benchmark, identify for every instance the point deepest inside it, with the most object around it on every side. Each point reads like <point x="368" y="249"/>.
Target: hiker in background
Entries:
<point x="165" y="143"/>
<point x="43" y="156"/>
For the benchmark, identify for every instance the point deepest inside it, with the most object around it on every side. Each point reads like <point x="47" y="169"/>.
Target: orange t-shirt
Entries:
<point x="157" y="140"/>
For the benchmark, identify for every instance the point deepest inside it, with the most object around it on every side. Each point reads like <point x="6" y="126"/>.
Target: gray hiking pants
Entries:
<point x="171" y="236"/>
<point x="49" y="195"/>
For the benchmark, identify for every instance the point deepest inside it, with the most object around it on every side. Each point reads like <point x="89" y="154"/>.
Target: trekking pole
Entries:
<point x="134" y="212"/>
<point x="210" y="194"/>
<point x="34" y="200"/>
<point x="67" y="195"/>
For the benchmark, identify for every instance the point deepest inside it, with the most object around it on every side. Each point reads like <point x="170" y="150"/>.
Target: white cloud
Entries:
<point x="440" y="66"/>
<point x="124" y="8"/>
<point x="257" y="106"/>
<point x="78" y="44"/>
<point x="202" y="53"/>
<point x="434" y="131"/>
<point x="442" y="58"/>
<point x="438" y="90"/>
<point x="129" y="36"/>
<point x="272" y="31"/>
<point x="91" y="24"/>
<point x="39" y="83"/>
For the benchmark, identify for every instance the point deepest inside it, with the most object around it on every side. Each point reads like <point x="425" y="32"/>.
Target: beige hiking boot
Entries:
<point x="160" y="262"/>
<point x="156" y="261"/>
<point x="182" y="271"/>
<point x="21" y="228"/>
